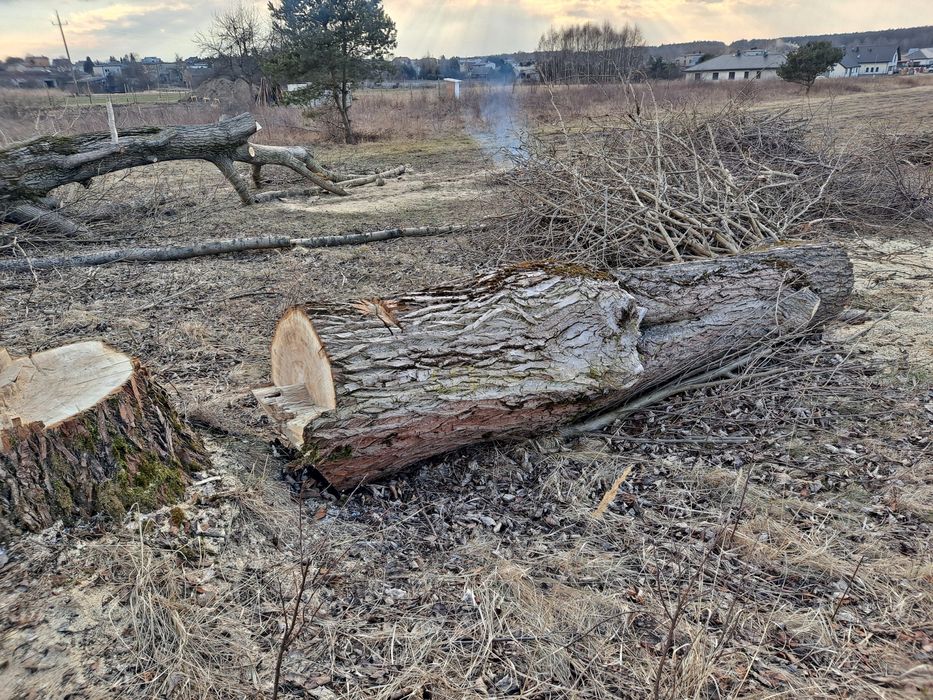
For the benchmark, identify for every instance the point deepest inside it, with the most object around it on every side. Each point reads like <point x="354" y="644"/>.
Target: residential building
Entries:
<point x="477" y="68"/>
<point x="752" y="64"/>
<point x="918" y="58"/>
<point x="107" y="69"/>
<point x="528" y="73"/>
<point x="32" y="78"/>
<point x="688" y="59"/>
<point x="847" y="67"/>
<point x="37" y="61"/>
<point x="875" y="61"/>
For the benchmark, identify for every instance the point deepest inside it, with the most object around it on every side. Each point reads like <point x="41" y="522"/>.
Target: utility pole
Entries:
<point x="74" y="78"/>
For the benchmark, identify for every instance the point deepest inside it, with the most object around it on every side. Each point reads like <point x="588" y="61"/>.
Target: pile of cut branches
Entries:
<point x="889" y="179"/>
<point x="667" y="187"/>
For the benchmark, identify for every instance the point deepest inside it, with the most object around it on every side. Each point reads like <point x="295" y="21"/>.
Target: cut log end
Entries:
<point x="304" y="383"/>
<point x="365" y="389"/>
<point x="85" y="431"/>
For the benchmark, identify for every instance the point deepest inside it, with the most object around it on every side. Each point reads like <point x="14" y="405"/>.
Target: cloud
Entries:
<point x="450" y="27"/>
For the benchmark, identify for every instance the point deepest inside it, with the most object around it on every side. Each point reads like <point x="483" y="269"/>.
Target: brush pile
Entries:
<point x="913" y="149"/>
<point x="889" y="179"/>
<point x="657" y="186"/>
<point x="667" y="187"/>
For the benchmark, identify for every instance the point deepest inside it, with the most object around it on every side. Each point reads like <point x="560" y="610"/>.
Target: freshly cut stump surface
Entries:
<point x="84" y="430"/>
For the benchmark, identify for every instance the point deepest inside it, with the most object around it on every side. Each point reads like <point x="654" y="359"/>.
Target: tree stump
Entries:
<point x="363" y="390"/>
<point x="85" y="430"/>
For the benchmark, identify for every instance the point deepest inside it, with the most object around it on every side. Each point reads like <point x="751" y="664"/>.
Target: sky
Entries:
<point x="164" y="28"/>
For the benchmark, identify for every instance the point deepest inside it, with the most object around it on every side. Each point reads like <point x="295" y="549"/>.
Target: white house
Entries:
<point x="919" y="58"/>
<point x="875" y="60"/>
<point x="847" y="67"/>
<point x="753" y="64"/>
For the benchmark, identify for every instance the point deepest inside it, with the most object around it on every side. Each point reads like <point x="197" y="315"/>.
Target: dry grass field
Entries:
<point x="770" y="536"/>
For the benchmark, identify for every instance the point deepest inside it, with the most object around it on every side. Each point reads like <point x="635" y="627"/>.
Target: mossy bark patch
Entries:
<point x="131" y="450"/>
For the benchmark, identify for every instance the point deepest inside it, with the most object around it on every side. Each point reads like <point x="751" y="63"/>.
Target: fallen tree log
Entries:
<point x="723" y="306"/>
<point x="366" y="389"/>
<point x="30" y="170"/>
<point x="84" y="430"/>
<point x="233" y="245"/>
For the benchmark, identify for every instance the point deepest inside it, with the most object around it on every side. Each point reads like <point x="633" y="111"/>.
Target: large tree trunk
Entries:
<point x="365" y="389"/>
<point x="29" y="171"/>
<point x="699" y="313"/>
<point x="84" y="430"/>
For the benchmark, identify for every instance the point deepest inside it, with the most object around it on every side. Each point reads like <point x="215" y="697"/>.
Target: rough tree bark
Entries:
<point x="720" y="307"/>
<point x="366" y="389"/>
<point x="29" y="171"/>
<point x="85" y="430"/>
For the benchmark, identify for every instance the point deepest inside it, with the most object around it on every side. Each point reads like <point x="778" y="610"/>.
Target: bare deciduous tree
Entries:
<point x="590" y="53"/>
<point x="236" y="39"/>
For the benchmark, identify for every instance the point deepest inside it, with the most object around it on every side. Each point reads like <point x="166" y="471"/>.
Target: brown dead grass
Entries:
<point x="771" y="539"/>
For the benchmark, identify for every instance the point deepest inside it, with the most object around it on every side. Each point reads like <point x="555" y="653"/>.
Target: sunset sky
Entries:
<point x="452" y="27"/>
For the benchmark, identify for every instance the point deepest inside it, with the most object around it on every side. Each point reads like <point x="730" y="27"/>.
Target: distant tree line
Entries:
<point x="590" y="53"/>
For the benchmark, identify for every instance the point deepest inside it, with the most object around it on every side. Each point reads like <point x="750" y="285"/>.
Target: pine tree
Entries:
<point x="332" y="44"/>
<point x="804" y="65"/>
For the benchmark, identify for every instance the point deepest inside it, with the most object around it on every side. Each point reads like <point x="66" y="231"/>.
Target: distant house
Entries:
<point x="196" y="64"/>
<point x="37" y="61"/>
<point x="752" y="64"/>
<point x="847" y="67"/>
<point x="324" y="98"/>
<point x="688" y="59"/>
<point x="151" y="61"/>
<point x="32" y="78"/>
<point x="919" y="58"/>
<point x="528" y="73"/>
<point x="477" y="68"/>
<point x="62" y="64"/>
<point x="107" y="69"/>
<point x="875" y="60"/>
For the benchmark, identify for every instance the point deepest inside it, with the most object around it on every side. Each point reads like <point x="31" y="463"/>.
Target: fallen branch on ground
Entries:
<point x="344" y="181"/>
<point x="358" y="181"/>
<point x="29" y="171"/>
<point x="233" y="245"/>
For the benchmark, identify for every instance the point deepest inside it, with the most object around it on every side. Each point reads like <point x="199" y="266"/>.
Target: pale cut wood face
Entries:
<point x="52" y="386"/>
<point x="302" y="377"/>
<point x="299" y="357"/>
